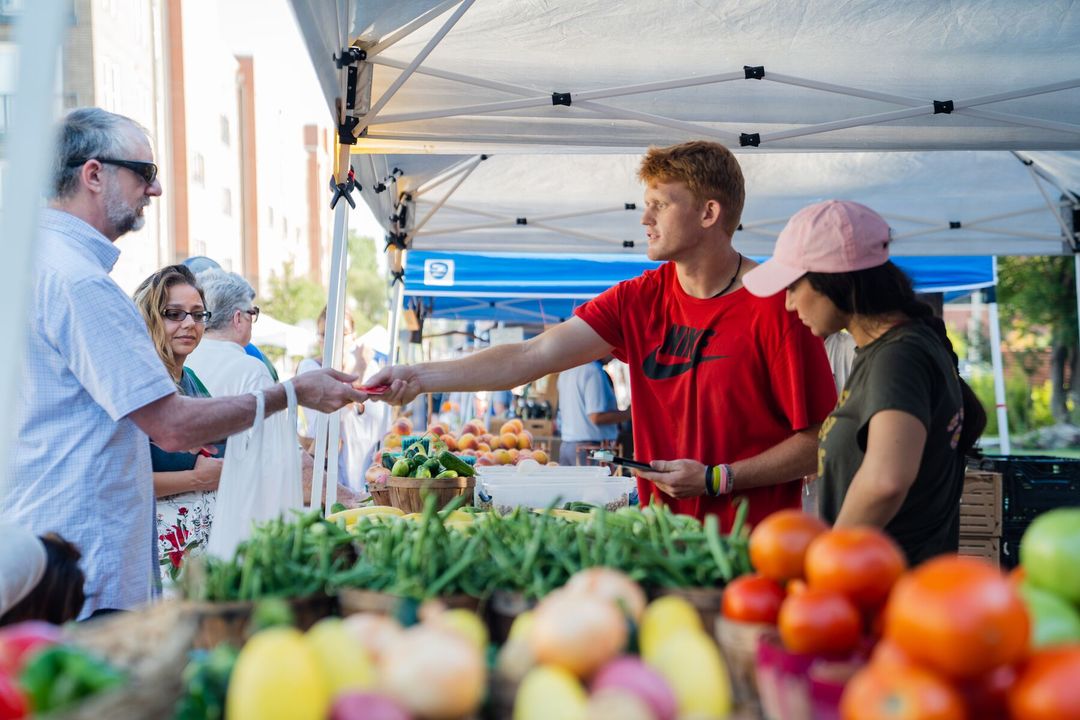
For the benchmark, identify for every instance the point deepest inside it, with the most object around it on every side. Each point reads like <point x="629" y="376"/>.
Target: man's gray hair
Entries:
<point x="226" y="292"/>
<point x="86" y="133"/>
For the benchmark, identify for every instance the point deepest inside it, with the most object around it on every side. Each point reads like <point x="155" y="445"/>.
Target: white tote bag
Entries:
<point x="260" y="478"/>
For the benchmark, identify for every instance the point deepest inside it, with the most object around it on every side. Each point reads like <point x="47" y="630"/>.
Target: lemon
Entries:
<point x="521" y="627"/>
<point x="465" y="623"/>
<point x="352" y="515"/>
<point x="459" y="516"/>
<point x="690" y="662"/>
<point x="549" y="692"/>
<point x="344" y="663"/>
<point x="277" y="676"/>
<point x="664" y="617"/>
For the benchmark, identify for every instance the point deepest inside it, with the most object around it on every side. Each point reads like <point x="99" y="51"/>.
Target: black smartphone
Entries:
<point x="606" y="456"/>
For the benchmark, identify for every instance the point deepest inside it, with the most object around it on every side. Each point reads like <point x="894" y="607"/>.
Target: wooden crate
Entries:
<point x="540" y="428"/>
<point x="981" y="546"/>
<point x="981" y="504"/>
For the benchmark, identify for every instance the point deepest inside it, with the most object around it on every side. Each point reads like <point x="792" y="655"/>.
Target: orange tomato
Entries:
<point x="958" y="616"/>
<point x="819" y="622"/>
<point x="889" y="654"/>
<point x="752" y="598"/>
<point x="863" y="563"/>
<point x="778" y="543"/>
<point x="900" y="693"/>
<point x="1048" y="686"/>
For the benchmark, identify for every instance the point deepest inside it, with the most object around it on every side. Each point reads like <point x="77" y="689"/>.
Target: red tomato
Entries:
<point x="818" y="622"/>
<point x="753" y="598"/>
<point x="778" y="543"/>
<point x="18" y="642"/>
<point x="12" y="701"/>
<point x="986" y="695"/>
<point x="862" y="563"/>
<point x="900" y="693"/>
<point x="1048" y="687"/>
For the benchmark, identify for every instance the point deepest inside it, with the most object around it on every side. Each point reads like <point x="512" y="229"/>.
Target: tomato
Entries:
<point x="18" y="642"/>
<point x="1048" y="687"/>
<point x="900" y="693"/>
<point x="1049" y="551"/>
<point x="778" y="543"/>
<point x="862" y="563"/>
<point x="889" y="654"/>
<point x="985" y="696"/>
<point x="12" y="700"/>
<point x="753" y="598"/>
<point x="818" y="622"/>
<point x="958" y="616"/>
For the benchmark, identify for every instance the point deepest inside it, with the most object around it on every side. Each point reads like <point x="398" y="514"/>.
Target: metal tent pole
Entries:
<point x="29" y="146"/>
<point x="999" y="370"/>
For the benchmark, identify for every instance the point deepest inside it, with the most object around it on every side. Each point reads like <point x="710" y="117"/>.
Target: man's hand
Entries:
<point x="403" y="382"/>
<point x="208" y="472"/>
<point x="327" y="390"/>
<point x="677" y="478"/>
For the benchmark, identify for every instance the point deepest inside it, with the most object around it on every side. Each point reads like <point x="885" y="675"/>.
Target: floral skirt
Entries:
<point x="183" y="525"/>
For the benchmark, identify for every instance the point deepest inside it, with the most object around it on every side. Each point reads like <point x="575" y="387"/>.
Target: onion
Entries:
<point x="577" y="632"/>
<point x="609" y="584"/>
<point x="434" y="674"/>
<point x="375" y="633"/>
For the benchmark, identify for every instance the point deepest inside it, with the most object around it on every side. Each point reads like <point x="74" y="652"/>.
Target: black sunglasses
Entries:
<point x="146" y="170"/>
<point x="178" y="315"/>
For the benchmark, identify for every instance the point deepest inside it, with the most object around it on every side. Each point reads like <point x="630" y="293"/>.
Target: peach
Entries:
<point x="451" y="443"/>
<point x="483" y="447"/>
<point x="472" y="429"/>
<point x="514" y="452"/>
<point x="495" y="442"/>
<point x="509" y="440"/>
<point x="524" y="439"/>
<point x="502" y="457"/>
<point x="403" y="426"/>
<point x="392" y="440"/>
<point x="470" y="452"/>
<point x="540" y="456"/>
<point x="486" y="459"/>
<point x="511" y="426"/>
<point x="552" y="463"/>
<point x="438" y="429"/>
<point x="466" y="441"/>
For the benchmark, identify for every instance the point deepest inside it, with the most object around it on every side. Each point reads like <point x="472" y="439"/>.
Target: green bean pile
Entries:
<point x="524" y="551"/>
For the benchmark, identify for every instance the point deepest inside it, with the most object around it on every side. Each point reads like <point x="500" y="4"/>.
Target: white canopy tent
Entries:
<point x="562" y="91"/>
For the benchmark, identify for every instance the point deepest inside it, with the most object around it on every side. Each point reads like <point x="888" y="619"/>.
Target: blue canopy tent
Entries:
<point x="530" y="288"/>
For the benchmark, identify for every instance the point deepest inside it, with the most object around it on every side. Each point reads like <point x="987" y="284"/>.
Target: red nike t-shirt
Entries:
<point x="715" y="380"/>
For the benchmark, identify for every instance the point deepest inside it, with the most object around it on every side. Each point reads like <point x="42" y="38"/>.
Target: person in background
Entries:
<point x="93" y="387"/>
<point x="501" y="405"/>
<point x="199" y="263"/>
<point x="225" y="369"/>
<point x="840" y="348"/>
<point x="728" y="390"/>
<point x="360" y="432"/>
<point x="892" y="453"/>
<point x="40" y="578"/>
<point x="185" y="484"/>
<point x="588" y="411"/>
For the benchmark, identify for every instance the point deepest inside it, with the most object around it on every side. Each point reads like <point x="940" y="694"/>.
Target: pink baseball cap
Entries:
<point x="835" y="236"/>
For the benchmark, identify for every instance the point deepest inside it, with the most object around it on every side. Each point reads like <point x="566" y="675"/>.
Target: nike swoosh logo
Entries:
<point x="655" y="370"/>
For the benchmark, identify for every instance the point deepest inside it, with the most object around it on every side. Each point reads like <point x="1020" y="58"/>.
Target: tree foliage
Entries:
<point x="291" y="298"/>
<point x="365" y="285"/>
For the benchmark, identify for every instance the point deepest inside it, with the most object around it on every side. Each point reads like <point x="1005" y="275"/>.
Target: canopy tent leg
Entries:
<point x="999" y="370"/>
<point x="397" y="261"/>
<point x="328" y="434"/>
<point x="39" y="33"/>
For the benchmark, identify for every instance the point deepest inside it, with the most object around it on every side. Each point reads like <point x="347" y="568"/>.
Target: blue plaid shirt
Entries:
<point x="81" y="467"/>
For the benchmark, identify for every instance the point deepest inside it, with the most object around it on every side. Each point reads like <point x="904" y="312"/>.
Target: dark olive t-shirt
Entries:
<point x="907" y="369"/>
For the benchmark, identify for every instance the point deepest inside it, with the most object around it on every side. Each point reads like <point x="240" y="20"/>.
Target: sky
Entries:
<point x="268" y="30"/>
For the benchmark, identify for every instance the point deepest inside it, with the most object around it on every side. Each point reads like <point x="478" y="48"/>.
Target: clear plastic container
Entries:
<point x="509" y="486"/>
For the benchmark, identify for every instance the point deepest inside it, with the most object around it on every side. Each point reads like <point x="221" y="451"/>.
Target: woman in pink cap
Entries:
<point x="892" y="453"/>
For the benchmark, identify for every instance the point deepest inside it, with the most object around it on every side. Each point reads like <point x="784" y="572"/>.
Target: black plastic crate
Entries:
<point x="1010" y="549"/>
<point x="1033" y="484"/>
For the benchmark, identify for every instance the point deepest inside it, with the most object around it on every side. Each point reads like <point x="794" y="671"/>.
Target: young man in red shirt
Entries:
<point x="732" y="384"/>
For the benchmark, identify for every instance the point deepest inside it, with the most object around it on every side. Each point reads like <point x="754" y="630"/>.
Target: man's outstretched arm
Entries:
<point x="566" y="345"/>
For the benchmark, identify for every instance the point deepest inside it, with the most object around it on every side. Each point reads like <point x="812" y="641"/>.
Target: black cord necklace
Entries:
<point x="733" y="277"/>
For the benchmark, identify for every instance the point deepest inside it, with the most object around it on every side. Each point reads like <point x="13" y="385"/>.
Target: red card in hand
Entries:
<point x="374" y="389"/>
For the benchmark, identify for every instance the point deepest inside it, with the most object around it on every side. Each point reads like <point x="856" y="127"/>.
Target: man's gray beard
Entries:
<point x="119" y="214"/>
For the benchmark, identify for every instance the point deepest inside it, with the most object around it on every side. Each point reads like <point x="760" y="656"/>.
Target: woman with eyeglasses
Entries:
<point x="185" y="484"/>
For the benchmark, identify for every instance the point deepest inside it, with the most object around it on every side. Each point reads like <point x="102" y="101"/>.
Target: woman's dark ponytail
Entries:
<point x="886" y="289"/>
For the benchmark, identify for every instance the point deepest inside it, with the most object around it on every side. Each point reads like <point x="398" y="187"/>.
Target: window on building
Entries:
<point x="226" y="201"/>
<point x="198" y="169"/>
<point x="225" y="136"/>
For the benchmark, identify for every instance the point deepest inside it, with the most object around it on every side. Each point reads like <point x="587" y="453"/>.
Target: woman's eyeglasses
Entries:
<point x="176" y="315"/>
<point x="253" y="312"/>
<point x="146" y="170"/>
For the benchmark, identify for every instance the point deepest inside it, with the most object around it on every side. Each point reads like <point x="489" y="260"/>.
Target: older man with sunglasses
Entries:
<point x="93" y="385"/>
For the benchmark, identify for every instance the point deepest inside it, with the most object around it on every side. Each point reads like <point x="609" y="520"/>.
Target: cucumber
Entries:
<point x="450" y="461"/>
<point x="446" y="474"/>
<point x="401" y="468"/>
<point x="388" y="461"/>
<point x="423" y="472"/>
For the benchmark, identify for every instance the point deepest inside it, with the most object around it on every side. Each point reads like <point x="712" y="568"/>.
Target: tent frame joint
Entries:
<point x="561" y="98"/>
<point x="943" y="107"/>
<point x="754" y="72"/>
<point x="751" y="139"/>
<point x="349" y="56"/>
<point x="344" y="190"/>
